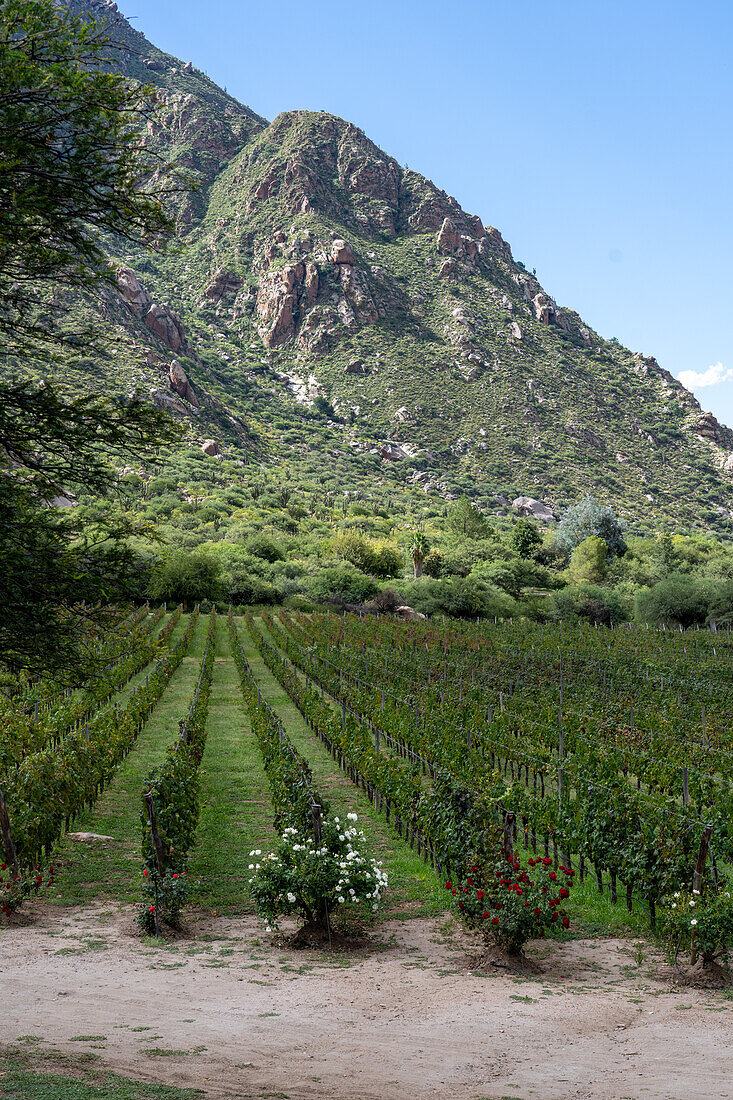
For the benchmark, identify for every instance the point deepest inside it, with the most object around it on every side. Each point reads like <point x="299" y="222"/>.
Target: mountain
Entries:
<point x="315" y="281"/>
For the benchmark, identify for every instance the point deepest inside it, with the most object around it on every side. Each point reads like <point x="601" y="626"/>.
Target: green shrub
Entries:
<point x="341" y="581"/>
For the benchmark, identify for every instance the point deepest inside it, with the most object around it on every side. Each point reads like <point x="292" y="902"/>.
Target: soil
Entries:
<point x="237" y="1013"/>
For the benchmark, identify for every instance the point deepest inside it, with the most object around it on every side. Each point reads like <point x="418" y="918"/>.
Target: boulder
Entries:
<point x="527" y="506"/>
<point x="409" y="613"/>
<point x="515" y="330"/>
<point x="448" y="267"/>
<point x="341" y="252"/>
<point x="168" y="402"/>
<point x="709" y="428"/>
<point x="392" y="452"/>
<point x="89" y="836"/>
<point x="133" y="292"/>
<point x="358" y="366"/>
<point x="181" y="385"/>
<point x="166" y="325"/>
<point x="210" y="447"/>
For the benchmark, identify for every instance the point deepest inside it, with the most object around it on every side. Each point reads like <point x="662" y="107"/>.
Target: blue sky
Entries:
<point x="594" y="135"/>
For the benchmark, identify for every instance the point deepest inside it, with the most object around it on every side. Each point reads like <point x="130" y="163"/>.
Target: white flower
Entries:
<point x="693" y="923"/>
<point x="251" y="867"/>
<point x="341" y="899"/>
<point x="696" y="892"/>
<point x="375" y="907"/>
<point x="677" y="894"/>
<point x="674" y="904"/>
<point x="291" y="898"/>
<point x="352" y="817"/>
<point x="692" y="905"/>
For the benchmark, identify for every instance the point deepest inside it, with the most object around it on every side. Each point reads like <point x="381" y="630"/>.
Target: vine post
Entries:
<point x="8" y="845"/>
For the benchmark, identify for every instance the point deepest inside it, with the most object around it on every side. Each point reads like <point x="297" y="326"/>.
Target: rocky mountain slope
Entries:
<point x="314" y="275"/>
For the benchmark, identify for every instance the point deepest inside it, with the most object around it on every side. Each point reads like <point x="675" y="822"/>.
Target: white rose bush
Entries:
<point x="701" y="923"/>
<point x="311" y="879"/>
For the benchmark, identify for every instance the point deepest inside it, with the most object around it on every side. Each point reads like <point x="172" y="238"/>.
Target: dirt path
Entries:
<point x="236" y="1014"/>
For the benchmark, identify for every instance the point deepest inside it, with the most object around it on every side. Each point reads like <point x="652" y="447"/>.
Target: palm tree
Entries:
<point x="418" y="547"/>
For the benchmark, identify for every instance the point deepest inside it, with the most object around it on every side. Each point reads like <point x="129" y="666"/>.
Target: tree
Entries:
<point x="588" y="561"/>
<point x="525" y="538"/>
<point x="73" y="164"/>
<point x="186" y="578"/>
<point x="590" y="518"/>
<point x="418" y="546"/>
<point x="467" y="520"/>
<point x="72" y="169"/>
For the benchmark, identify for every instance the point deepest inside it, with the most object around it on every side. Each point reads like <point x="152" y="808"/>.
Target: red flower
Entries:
<point x="449" y="885"/>
<point x="151" y="909"/>
<point x="566" y="922"/>
<point x="460" y="905"/>
<point x="519" y="890"/>
<point x="145" y="871"/>
<point x="3" y="866"/>
<point x="454" y="892"/>
<point x="538" y="912"/>
<point x="175" y="876"/>
<point x="564" y="892"/>
<point x="480" y="895"/>
<point x="486" y="915"/>
<point x="552" y="876"/>
<point x="546" y="860"/>
<point x="469" y="881"/>
<point x="494" y="920"/>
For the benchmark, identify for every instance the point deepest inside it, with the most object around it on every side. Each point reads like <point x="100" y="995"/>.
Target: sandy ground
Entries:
<point x="231" y="1011"/>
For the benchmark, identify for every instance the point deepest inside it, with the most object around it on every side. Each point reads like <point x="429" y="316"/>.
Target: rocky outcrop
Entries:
<point x="357" y="366"/>
<point x="709" y="428"/>
<point x="167" y="326"/>
<point x="223" y="283"/>
<point x="168" y="402"/>
<point x="181" y="385"/>
<point x="129" y="286"/>
<point x="342" y="253"/>
<point x="210" y="447"/>
<point x="282" y="296"/>
<point x="527" y="506"/>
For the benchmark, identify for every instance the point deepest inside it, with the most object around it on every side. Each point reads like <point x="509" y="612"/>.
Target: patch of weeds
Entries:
<point x="88" y="1039"/>
<point x="524" y="1000"/>
<point x="164" y="1052"/>
<point x="262" y="1015"/>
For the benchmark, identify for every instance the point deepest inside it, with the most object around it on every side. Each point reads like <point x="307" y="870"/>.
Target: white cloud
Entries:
<point x="713" y="376"/>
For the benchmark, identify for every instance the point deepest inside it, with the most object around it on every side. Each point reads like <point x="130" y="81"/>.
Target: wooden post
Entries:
<point x="685" y="788"/>
<point x="508" y="845"/>
<point x="157" y="844"/>
<point x="702" y="855"/>
<point x="10" y="853"/>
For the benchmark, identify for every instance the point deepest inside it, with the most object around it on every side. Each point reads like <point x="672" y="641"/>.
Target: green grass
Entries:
<point x="415" y="890"/>
<point x="111" y="869"/>
<point x="51" y="1075"/>
<point x="236" y="814"/>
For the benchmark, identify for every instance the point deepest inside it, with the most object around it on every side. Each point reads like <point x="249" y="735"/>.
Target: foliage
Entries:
<point x="186" y="578"/>
<point x="21" y="884"/>
<point x="588" y="561"/>
<point x="590" y="518"/>
<point x="465" y="519"/>
<point x="341" y="582"/>
<point x="525" y="538"/>
<point x="676" y="600"/>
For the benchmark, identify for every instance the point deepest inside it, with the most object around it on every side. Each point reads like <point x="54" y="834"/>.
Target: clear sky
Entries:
<point x="595" y="135"/>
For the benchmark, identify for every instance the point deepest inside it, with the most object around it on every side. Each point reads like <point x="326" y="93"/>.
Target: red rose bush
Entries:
<point x="509" y="904"/>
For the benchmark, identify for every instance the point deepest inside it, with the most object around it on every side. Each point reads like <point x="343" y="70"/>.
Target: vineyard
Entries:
<point x="600" y="755"/>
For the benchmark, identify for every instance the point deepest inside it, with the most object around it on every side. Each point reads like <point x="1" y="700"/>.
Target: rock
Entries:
<point x="166" y="325"/>
<point x="168" y="402"/>
<point x="311" y="283"/>
<point x="63" y="500"/>
<point x="341" y="252"/>
<point x="281" y="296"/>
<point x="515" y="330"/>
<point x="409" y="613"/>
<point x="709" y="428"/>
<point x="544" y="309"/>
<point x="89" y="836"/>
<point x="402" y="414"/>
<point x="133" y="292"/>
<point x="392" y="452"/>
<point x="356" y="367"/>
<point x="728" y="465"/>
<point x="223" y="283"/>
<point x="181" y="385"/>
<point x="210" y="447"/>
<point x="472" y="374"/>
<point x="447" y="268"/>
<point x="586" y="337"/>
<point x="527" y="506"/>
<point x="450" y="241"/>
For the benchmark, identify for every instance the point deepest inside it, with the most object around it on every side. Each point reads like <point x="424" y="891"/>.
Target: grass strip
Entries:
<point x="236" y="813"/>
<point x="107" y="869"/>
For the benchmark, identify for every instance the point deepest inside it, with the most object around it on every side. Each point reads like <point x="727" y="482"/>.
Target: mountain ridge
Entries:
<point x="311" y="269"/>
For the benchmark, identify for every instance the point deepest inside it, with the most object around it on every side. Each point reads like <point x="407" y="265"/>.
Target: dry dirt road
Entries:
<point x="234" y="1013"/>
